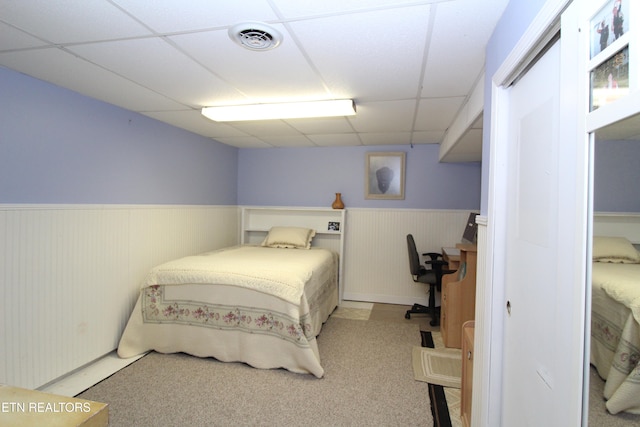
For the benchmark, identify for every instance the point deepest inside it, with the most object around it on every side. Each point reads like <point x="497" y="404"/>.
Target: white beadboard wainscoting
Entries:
<point x="376" y="257"/>
<point x="617" y="224"/>
<point x="70" y="275"/>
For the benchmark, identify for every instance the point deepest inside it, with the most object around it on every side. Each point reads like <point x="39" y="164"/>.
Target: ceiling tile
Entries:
<point x="381" y="116"/>
<point x="437" y="113"/>
<point x="457" y="45"/>
<point x="276" y="75"/>
<point x="288" y="141"/>
<point x="71" y="21"/>
<point x="56" y="65"/>
<point x="195" y="122"/>
<point x="300" y="9"/>
<point x="386" y="138"/>
<point x="362" y="55"/>
<point x="336" y="139"/>
<point x="427" y="137"/>
<point x="170" y="16"/>
<point x="265" y="128"/>
<point x="321" y="125"/>
<point x="12" y="38"/>
<point x="159" y="67"/>
<point x="407" y="64"/>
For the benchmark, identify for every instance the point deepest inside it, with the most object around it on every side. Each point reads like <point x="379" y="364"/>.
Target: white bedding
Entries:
<point x="262" y="306"/>
<point x="615" y="333"/>
<point x="253" y="267"/>
<point x="621" y="282"/>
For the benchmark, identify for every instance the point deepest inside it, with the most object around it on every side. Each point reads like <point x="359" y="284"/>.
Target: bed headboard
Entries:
<point x="617" y="225"/>
<point x="329" y="225"/>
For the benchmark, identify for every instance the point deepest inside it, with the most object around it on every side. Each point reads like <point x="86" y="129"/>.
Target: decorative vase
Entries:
<point x="337" y="203"/>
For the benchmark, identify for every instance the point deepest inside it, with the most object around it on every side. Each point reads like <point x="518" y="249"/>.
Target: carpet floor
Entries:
<point x="598" y="414"/>
<point x="368" y="381"/>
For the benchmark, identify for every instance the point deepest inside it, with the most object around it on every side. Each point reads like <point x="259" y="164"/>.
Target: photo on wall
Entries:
<point x="385" y="175"/>
<point x="609" y="25"/>
<point x="610" y="80"/>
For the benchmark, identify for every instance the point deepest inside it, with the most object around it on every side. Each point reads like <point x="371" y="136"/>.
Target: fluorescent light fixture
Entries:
<point x="283" y="110"/>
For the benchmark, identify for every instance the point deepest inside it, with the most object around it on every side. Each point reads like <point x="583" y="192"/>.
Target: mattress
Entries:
<point x="615" y="334"/>
<point x="251" y="304"/>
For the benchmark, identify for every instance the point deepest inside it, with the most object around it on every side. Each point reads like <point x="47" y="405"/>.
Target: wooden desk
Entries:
<point x="451" y="256"/>
<point x="468" y="330"/>
<point x="459" y="297"/>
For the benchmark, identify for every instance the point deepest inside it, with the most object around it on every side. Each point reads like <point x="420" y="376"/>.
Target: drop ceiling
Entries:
<point x="408" y="65"/>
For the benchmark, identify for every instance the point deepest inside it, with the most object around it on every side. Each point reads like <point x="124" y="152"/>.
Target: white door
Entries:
<point x="534" y="384"/>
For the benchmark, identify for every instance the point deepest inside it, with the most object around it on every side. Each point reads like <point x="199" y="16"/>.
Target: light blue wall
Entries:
<point x="616" y="176"/>
<point x="311" y="177"/>
<point x="514" y="22"/>
<point x="57" y="146"/>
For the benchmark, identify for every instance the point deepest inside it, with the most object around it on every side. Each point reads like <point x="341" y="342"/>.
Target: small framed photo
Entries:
<point x="610" y="80"/>
<point x="384" y="175"/>
<point x="608" y="25"/>
<point x="333" y="226"/>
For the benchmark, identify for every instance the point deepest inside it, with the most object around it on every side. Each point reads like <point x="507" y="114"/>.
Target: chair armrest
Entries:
<point x="436" y="262"/>
<point x="432" y="255"/>
<point x="437" y="265"/>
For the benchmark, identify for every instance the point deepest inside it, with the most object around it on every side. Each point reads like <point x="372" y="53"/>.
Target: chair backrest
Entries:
<point x="414" y="258"/>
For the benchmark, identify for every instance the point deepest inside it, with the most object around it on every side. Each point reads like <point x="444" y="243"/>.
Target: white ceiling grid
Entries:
<point x="409" y="65"/>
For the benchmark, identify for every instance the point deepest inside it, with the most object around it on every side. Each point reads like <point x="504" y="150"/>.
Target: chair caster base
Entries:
<point x="421" y="309"/>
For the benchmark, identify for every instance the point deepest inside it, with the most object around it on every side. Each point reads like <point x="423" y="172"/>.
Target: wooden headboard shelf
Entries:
<point x="329" y="225"/>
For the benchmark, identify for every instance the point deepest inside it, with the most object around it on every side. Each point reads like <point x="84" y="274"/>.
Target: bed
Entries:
<point x="262" y="304"/>
<point x="615" y="321"/>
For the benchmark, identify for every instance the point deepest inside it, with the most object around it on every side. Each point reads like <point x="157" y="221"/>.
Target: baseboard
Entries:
<point x="385" y="299"/>
<point x="81" y="379"/>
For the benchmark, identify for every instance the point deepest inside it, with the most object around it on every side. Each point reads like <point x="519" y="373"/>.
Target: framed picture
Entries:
<point x="608" y="25"/>
<point x="610" y="80"/>
<point x="384" y="175"/>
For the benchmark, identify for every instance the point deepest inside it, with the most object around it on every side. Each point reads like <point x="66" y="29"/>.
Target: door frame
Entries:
<point x="488" y="410"/>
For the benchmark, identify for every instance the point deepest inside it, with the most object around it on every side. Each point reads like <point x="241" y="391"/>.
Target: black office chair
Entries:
<point x="431" y="277"/>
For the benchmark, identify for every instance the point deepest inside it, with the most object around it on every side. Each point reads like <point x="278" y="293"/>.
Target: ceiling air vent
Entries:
<point x="255" y="36"/>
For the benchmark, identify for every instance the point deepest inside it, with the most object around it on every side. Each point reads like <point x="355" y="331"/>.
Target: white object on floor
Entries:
<point x="357" y="304"/>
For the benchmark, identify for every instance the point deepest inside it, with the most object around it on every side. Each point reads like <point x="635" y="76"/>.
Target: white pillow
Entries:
<point x="614" y="249"/>
<point x="289" y="237"/>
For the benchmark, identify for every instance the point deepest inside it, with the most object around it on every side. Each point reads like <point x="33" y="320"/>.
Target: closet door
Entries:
<point x="535" y="377"/>
<point x="538" y="225"/>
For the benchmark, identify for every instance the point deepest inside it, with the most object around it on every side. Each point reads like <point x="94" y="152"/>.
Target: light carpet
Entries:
<point x="437" y="366"/>
<point x="368" y="382"/>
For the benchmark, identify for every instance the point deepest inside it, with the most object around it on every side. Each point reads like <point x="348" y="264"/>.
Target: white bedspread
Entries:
<point x="261" y="306"/>
<point x="615" y="333"/>
<point x="621" y="282"/>
<point x="252" y="267"/>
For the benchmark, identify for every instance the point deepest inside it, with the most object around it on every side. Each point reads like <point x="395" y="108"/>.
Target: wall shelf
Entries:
<point x="329" y="224"/>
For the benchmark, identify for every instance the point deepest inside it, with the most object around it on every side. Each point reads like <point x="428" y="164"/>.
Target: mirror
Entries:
<point x="626" y="129"/>
<point x="616" y="191"/>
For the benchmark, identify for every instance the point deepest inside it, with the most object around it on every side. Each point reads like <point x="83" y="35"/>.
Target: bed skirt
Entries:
<point x="265" y="331"/>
